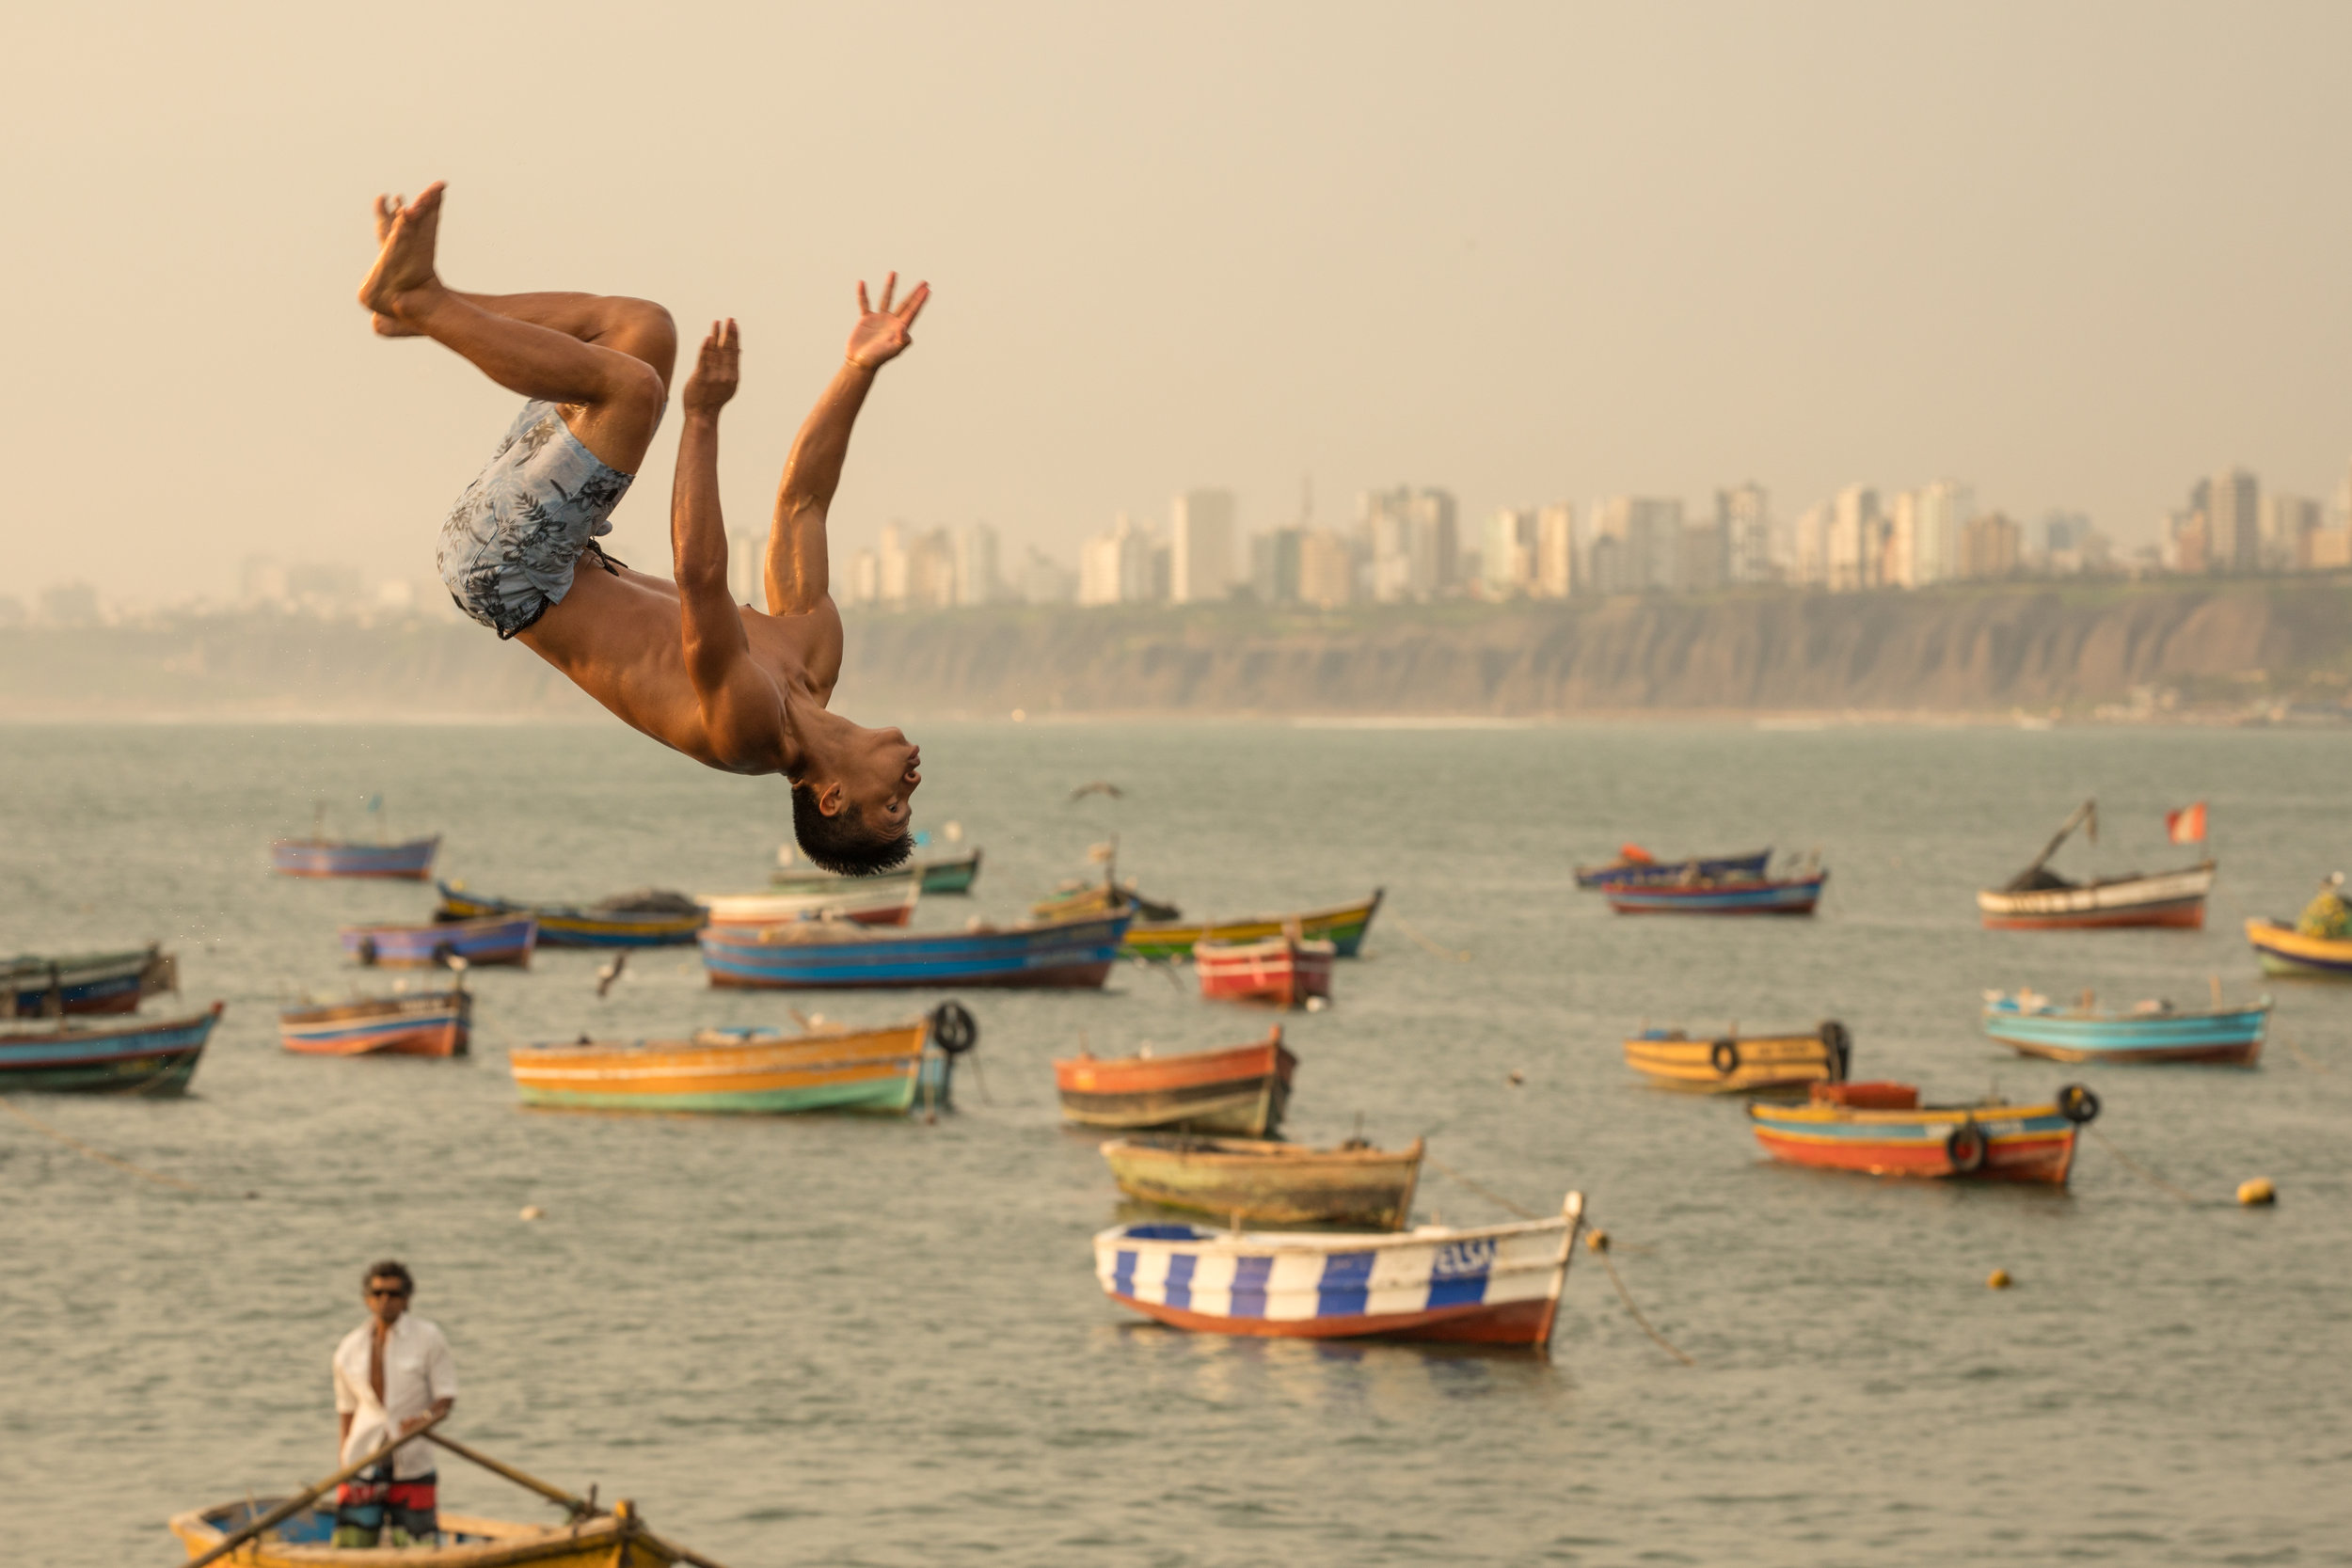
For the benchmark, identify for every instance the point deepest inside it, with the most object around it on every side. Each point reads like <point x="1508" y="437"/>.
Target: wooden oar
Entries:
<point x="580" y="1507"/>
<point x="287" y="1509"/>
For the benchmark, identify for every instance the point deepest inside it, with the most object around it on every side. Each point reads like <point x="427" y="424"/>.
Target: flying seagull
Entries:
<point x="1100" y="786"/>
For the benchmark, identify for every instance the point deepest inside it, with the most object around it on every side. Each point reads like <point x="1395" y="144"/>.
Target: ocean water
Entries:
<point x="853" y="1341"/>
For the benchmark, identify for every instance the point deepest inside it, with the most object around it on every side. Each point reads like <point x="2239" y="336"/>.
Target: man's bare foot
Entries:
<point x="386" y="209"/>
<point x="404" y="269"/>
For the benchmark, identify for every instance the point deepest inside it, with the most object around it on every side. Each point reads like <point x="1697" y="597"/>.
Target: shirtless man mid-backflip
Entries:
<point x="729" y="687"/>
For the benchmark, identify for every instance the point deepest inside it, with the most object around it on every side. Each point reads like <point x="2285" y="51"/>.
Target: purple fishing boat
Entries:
<point x="327" y="857"/>
<point x="477" y="942"/>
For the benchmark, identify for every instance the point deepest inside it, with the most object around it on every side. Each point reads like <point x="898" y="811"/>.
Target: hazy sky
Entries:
<point x="2076" y="254"/>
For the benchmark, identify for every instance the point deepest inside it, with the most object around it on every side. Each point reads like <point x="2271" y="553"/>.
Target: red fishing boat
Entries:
<point x="1240" y="1093"/>
<point x="1282" y="970"/>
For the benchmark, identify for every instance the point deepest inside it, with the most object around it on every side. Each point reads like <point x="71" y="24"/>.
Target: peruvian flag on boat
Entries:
<point x="2187" y="825"/>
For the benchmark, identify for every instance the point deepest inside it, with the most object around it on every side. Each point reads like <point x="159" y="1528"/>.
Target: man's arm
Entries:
<point x="798" y="577"/>
<point x="727" y="686"/>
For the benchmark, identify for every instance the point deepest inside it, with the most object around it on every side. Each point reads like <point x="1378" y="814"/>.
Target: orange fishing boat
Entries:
<point x="1240" y="1092"/>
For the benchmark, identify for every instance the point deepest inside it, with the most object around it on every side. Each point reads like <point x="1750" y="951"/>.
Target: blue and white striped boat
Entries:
<point x="2150" y="1032"/>
<point x="137" y="1056"/>
<point x="1499" y="1285"/>
<point x="823" y="953"/>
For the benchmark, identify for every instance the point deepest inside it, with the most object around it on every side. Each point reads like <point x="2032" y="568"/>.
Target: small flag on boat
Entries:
<point x="2187" y="825"/>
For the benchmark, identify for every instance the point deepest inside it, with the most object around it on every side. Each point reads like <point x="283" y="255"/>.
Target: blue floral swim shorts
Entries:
<point x="511" y="543"/>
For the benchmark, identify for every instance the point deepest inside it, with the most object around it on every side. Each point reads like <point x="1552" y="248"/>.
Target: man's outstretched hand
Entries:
<point x="881" y="335"/>
<point x="717" y="371"/>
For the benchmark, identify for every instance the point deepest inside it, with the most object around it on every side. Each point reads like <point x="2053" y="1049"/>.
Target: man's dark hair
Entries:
<point x="391" y="1268"/>
<point x="842" y="844"/>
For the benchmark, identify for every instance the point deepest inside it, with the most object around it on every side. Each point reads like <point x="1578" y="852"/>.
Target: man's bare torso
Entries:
<point x="618" y="639"/>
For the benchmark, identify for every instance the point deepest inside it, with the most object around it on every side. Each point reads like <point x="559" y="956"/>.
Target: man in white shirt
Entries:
<point x="393" y="1374"/>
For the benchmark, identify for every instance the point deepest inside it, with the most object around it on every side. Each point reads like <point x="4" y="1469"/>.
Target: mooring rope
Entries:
<point x="2137" y="1168"/>
<point x="79" y="1147"/>
<point x="2315" y="1067"/>
<point x="1596" y="1240"/>
<point x="1409" y="928"/>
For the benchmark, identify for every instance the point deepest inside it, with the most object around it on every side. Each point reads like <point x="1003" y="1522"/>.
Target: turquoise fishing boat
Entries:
<point x="2034" y="1026"/>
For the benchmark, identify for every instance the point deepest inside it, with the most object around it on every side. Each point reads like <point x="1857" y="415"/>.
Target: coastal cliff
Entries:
<point x="2078" y="648"/>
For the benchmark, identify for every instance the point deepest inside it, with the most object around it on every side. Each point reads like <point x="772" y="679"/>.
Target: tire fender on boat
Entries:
<point x="1724" y="1053"/>
<point x="367" y="950"/>
<point x="1965" y="1147"/>
<point x="2077" y="1104"/>
<point x="1841" y="1046"/>
<point x="954" y="1029"/>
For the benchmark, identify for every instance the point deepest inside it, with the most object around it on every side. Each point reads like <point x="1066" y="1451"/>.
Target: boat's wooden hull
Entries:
<point x="502" y="941"/>
<point x="151" y="1056"/>
<point x="564" y="926"/>
<point x="305" y="1541"/>
<point x="1238" y="1093"/>
<point x="824" y="954"/>
<point x="434" y="1025"/>
<point x="1343" y="927"/>
<point x="2227" y="1036"/>
<point x="1247" y="1182"/>
<point x="2172" y="898"/>
<point x="1736" y="1063"/>
<point x="85" y="982"/>
<point x="1634" y="873"/>
<point x="1793" y="896"/>
<point x="2021" y="1143"/>
<point x="1498" y="1286"/>
<point x="870" y="902"/>
<point x="313" y="857"/>
<point x="2283" y="950"/>
<point x="1278" y="970"/>
<point x="747" y="1073"/>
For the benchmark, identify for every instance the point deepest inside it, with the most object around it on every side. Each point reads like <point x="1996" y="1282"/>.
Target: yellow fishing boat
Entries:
<point x="826" y="1067"/>
<point x="1736" y="1064"/>
<point x="306" y="1540"/>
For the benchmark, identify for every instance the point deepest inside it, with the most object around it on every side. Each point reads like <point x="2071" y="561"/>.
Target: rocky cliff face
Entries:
<point x="1955" y="651"/>
<point x="1959" y="650"/>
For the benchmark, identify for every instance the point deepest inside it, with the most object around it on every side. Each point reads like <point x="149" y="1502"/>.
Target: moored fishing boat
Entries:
<point x="327" y="857"/>
<point x="430" y="1024"/>
<point x="467" y="1540"/>
<point x="937" y="874"/>
<point x="501" y="939"/>
<point x="1343" y="925"/>
<point x="1240" y="1092"/>
<point x="2284" y="950"/>
<point x="1248" y="1180"/>
<point x="2039" y="899"/>
<point x="885" y="900"/>
<point x="1720" y="895"/>
<point x="649" y="918"/>
<point x="34" y="986"/>
<point x="154" y="1056"/>
<point x="1883" y="1130"/>
<point x="950" y="873"/>
<point x="821" y="953"/>
<point x="1497" y="1285"/>
<point x="898" y="1068"/>
<point x="2034" y="1026"/>
<point x="1280" y="969"/>
<point x="1732" y="1062"/>
<point x="1635" y="865"/>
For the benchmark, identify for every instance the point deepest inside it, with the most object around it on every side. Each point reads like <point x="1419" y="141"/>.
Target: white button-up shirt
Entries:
<point x="418" y="1371"/>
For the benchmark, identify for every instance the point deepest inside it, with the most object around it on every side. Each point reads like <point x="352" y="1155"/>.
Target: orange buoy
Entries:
<point x="1997" y="1280"/>
<point x="2257" y="1192"/>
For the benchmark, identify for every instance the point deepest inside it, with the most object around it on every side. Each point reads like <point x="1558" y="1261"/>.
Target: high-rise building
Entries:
<point x="1507" y="554"/>
<point x="1326" y="569"/>
<point x="977" y="580"/>
<point x="1117" y="566"/>
<point x="1855" y="545"/>
<point x="1409" y="537"/>
<point x="1555" y="551"/>
<point x="1200" y="543"/>
<point x="891" y="572"/>
<point x="2286" y="519"/>
<point x="1940" y="509"/>
<point x="1647" y="549"/>
<point x="1706" y="564"/>
<point x="747" y="568"/>
<point x="1989" y="547"/>
<point x="1745" y="514"/>
<point x="864" y="582"/>
<point x="1045" y="581"/>
<point x="1274" y="566"/>
<point x="2234" y="522"/>
<point x="1809" y="558"/>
